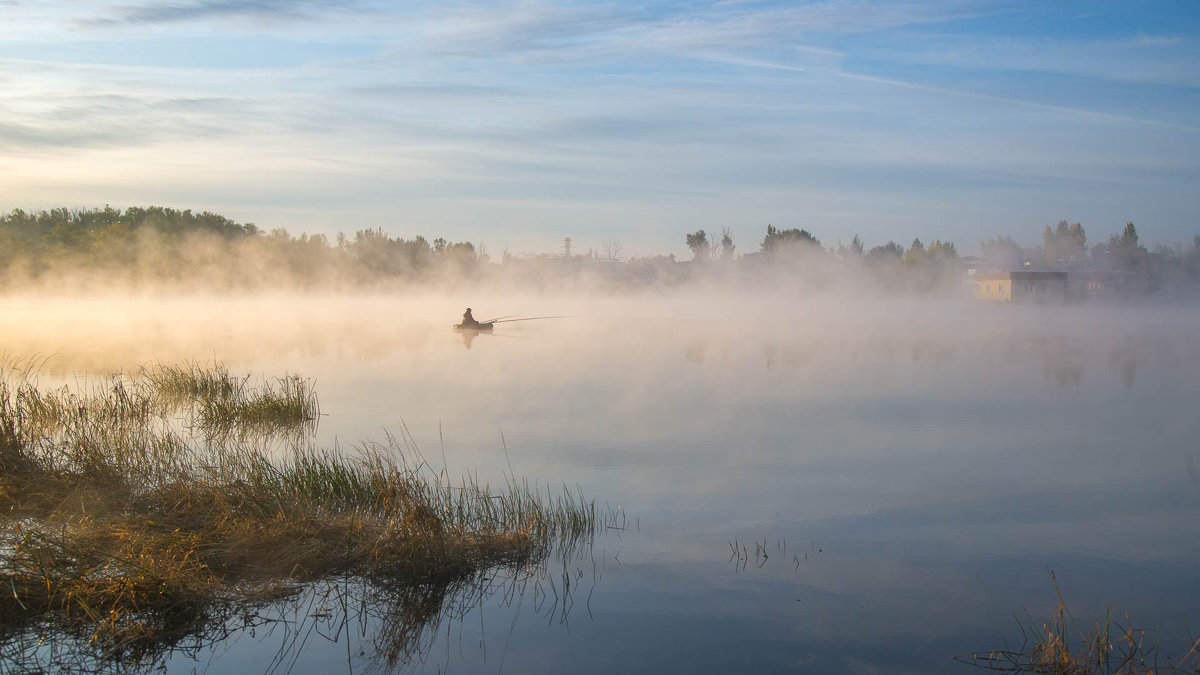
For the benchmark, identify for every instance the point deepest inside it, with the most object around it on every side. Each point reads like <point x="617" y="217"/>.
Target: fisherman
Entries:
<point x="469" y="320"/>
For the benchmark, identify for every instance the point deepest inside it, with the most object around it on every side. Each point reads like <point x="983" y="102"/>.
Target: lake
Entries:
<point x="826" y="484"/>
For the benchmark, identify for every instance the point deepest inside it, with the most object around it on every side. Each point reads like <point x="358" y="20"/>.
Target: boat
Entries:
<point x="481" y="327"/>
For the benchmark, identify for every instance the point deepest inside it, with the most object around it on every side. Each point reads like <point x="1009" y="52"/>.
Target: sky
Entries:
<point x="618" y="124"/>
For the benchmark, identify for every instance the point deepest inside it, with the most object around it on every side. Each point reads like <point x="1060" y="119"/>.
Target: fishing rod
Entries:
<point x="531" y="318"/>
<point x="497" y="319"/>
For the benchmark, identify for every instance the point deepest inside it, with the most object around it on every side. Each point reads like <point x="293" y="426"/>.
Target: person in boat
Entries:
<point x="469" y="320"/>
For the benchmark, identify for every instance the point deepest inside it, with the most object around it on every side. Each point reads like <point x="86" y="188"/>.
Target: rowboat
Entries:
<point x="483" y="327"/>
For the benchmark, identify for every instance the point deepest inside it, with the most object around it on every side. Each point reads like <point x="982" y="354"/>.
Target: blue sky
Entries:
<point x="516" y="124"/>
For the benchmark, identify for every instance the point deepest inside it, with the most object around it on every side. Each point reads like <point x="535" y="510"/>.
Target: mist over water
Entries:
<point x="910" y="467"/>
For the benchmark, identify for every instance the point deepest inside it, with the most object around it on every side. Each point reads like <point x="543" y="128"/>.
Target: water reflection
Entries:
<point x="743" y="554"/>
<point x="1124" y="360"/>
<point x="1190" y="465"/>
<point x="375" y="625"/>
<point x="469" y="336"/>
<point x="1062" y="363"/>
<point x="938" y="457"/>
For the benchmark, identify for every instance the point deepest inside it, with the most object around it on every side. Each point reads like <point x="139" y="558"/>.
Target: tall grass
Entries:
<point x="116" y="525"/>
<point x="190" y="382"/>
<point x="1061" y="646"/>
<point x="219" y="403"/>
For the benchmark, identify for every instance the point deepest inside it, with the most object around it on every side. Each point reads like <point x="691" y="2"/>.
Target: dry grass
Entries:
<point x="117" y="528"/>
<point x="1061" y="647"/>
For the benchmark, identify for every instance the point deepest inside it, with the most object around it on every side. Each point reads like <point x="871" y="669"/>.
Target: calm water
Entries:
<point x="897" y="477"/>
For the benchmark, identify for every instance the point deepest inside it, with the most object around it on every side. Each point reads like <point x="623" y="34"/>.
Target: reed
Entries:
<point x="219" y="403"/>
<point x="119" y="526"/>
<point x="190" y="381"/>
<point x="1061" y="647"/>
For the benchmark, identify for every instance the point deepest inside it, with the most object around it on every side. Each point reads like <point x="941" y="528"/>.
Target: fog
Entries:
<point x="154" y="250"/>
<point x="922" y="456"/>
<point x="710" y="368"/>
<point x="110" y="331"/>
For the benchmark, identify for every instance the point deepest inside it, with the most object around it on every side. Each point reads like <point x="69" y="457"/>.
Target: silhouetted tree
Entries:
<point x="1122" y="252"/>
<point x="927" y="269"/>
<point x="1064" y="243"/>
<point x="889" y="253"/>
<point x="698" y="242"/>
<point x="612" y="250"/>
<point x="1001" y="253"/>
<point x="726" y="245"/>
<point x="789" y="241"/>
<point x="159" y="245"/>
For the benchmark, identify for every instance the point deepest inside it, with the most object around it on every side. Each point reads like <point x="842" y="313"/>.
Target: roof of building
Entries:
<point x="1022" y="275"/>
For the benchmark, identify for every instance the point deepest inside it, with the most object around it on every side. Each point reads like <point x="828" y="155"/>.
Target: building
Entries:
<point x="1023" y="286"/>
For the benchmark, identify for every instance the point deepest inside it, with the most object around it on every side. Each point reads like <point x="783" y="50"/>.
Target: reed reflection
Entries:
<point x="127" y="537"/>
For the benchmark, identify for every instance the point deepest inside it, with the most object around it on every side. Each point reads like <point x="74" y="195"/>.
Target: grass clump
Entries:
<point x="1061" y="647"/>
<point x="116" y="528"/>
<point x="188" y="382"/>
<point x="221" y="403"/>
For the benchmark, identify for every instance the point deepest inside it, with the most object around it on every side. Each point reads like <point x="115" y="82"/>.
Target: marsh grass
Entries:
<point x="219" y="403"/>
<point x="120" y="530"/>
<point x="1061" y="646"/>
<point x="181" y="384"/>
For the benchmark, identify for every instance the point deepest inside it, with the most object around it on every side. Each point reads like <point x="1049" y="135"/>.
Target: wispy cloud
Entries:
<point x="744" y="61"/>
<point x="1142" y="58"/>
<point x="565" y="107"/>
<point x="173" y="12"/>
<point x="49" y="106"/>
<point x="1155" y="41"/>
<point x="525" y="28"/>
<point x="1016" y="101"/>
<point x="808" y="49"/>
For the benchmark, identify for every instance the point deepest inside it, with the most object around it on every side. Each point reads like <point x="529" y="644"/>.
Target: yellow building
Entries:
<point x="1024" y="286"/>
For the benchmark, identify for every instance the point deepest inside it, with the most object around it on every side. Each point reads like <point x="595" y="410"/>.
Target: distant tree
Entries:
<point x="890" y="252"/>
<point x="1191" y="261"/>
<point x="66" y="236"/>
<point x="1129" y="237"/>
<point x="1065" y="242"/>
<point x="1122" y="251"/>
<point x="927" y="269"/>
<point x="162" y="246"/>
<point x="462" y="249"/>
<point x="789" y="241"/>
<point x="114" y="245"/>
<point x="698" y="242"/>
<point x="943" y="251"/>
<point x="1001" y="253"/>
<point x="1078" y="240"/>
<point x="658" y="269"/>
<point x="915" y="253"/>
<point x="727" y="248"/>
<point x="883" y="264"/>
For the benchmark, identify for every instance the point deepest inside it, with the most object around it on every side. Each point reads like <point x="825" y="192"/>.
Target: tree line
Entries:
<point x="1065" y="248"/>
<point x="159" y="247"/>
<point x="140" y="247"/>
<point x="920" y="268"/>
<point x="938" y="265"/>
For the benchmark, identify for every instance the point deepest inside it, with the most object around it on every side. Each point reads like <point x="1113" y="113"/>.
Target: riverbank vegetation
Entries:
<point x="217" y="402"/>
<point x="167" y="249"/>
<point x="1061" y="646"/>
<point x="122" y="531"/>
